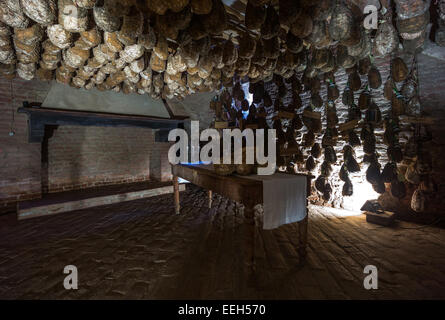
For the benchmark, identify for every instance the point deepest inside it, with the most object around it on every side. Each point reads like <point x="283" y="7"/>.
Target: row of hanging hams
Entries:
<point x="401" y="80"/>
<point x="412" y="18"/>
<point x="175" y="48"/>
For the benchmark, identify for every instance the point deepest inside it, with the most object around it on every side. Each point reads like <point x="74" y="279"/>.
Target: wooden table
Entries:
<point x="237" y="188"/>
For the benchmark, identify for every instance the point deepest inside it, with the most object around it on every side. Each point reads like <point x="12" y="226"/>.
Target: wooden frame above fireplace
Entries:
<point x="39" y="117"/>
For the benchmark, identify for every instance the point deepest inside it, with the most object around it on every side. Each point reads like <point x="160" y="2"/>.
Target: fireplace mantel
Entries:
<point x="39" y="117"/>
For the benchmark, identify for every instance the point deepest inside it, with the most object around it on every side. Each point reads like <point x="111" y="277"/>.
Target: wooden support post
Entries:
<point x="210" y="193"/>
<point x="176" y="192"/>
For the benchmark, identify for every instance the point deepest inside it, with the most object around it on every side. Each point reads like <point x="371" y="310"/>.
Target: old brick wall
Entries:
<point x="160" y="168"/>
<point x="19" y="160"/>
<point x="78" y="156"/>
<point x="82" y="157"/>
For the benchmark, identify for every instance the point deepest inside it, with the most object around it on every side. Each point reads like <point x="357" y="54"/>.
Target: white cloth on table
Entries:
<point x="284" y="198"/>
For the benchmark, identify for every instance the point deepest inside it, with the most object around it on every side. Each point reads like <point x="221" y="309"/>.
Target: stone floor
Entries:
<point x="141" y="250"/>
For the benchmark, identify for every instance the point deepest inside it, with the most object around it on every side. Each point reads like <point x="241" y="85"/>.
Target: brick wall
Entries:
<point x="19" y="161"/>
<point x="78" y="156"/>
<point x="160" y="168"/>
<point x="81" y="157"/>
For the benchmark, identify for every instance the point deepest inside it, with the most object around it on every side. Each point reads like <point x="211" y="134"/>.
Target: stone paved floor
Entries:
<point x="140" y="249"/>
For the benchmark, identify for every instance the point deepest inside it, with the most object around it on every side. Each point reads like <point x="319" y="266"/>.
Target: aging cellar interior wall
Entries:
<point x="81" y="157"/>
<point x="78" y="157"/>
<point x="20" y="163"/>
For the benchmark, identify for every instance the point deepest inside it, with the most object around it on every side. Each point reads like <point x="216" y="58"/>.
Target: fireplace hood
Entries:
<point x="69" y="106"/>
<point x="63" y="97"/>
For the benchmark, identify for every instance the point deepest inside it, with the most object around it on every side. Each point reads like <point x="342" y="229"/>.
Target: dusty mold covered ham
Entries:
<point x="5" y="30"/>
<point x="157" y="64"/>
<point x="27" y="53"/>
<point x="27" y="44"/>
<point x="216" y="54"/>
<point x="412" y="18"/>
<point x="254" y="16"/>
<point x="386" y="40"/>
<point x="289" y="11"/>
<point x="247" y="46"/>
<point x="104" y="17"/>
<point x="177" y="5"/>
<point x="170" y="24"/>
<point x="319" y="36"/>
<point x="302" y="27"/>
<point x="323" y="10"/>
<point x="60" y="37"/>
<point x="374" y="78"/>
<point x="75" y="58"/>
<point x="49" y="62"/>
<point x="320" y="58"/>
<point x="407" y="9"/>
<point x="44" y="74"/>
<point x="342" y="22"/>
<point x="411" y="28"/>
<point x="88" y="4"/>
<point x="26" y="71"/>
<point x="7" y="70"/>
<point x="7" y="54"/>
<point x="201" y="6"/>
<point x="271" y="26"/>
<point x="158" y="6"/>
<point x="363" y="48"/>
<point x="399" y="70"/>
<point x="216" y="21"/>
<point x="41" y="11"/>
<point x="30" y="35"/>
<point x="131" y="28"/>
<point x="131" y="53"/>
<point x="71" y="17"/>
<point x="343" y="59"/>
<point x="409" y="88"/>
<point x="418" y="200"/>
<point x="112" y="41"/>
<point x="190" y="55"/>
<point x="92" y="37"/>
<point x="11" y="13"/>
<point x="364" y="66"/>
<point x="190" y="43"/>
<point x="148" y="37"/>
